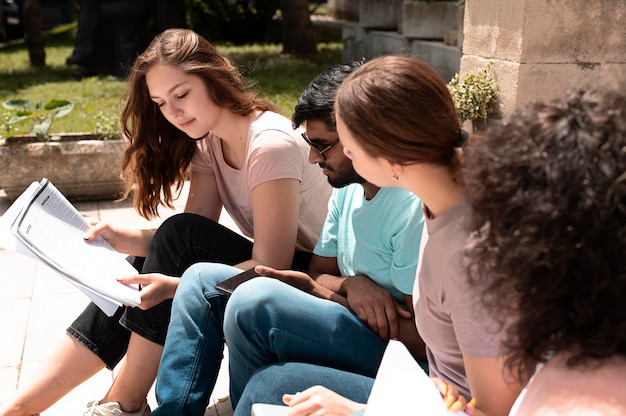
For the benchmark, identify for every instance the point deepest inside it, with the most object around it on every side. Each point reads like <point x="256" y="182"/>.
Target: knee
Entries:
<point x="258" y="291"/>
<point x="256" y="301"/>
<point x="199" y="280"/>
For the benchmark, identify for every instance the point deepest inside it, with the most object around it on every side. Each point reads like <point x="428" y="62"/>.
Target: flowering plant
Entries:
<point x="474" y="96"/>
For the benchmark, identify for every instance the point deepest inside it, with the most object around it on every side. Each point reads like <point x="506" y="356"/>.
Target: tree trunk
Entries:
<point x="33" y="31"/>
<point x="298" y="35"/>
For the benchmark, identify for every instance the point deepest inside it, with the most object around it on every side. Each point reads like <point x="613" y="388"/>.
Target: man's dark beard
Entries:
<point x="347" y="175"/>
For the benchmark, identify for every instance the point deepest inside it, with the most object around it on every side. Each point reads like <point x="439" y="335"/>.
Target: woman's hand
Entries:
<point x="155" y="288"/>
<point x="454" y="401"/>
<point x="319" y="400"/>
<point x="123" y="240"/>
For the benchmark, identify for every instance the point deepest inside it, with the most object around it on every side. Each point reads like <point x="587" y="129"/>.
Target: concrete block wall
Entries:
<point x="380" y="14"/>
<point x="540" y="49"/>
<point x="424" y="20"/>
<point x="362" y="41"/>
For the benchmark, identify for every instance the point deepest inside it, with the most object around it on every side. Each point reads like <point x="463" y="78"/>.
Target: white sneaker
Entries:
<point x="113" y="409"/>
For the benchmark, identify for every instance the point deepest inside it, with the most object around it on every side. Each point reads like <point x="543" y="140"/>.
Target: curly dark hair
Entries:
<point x="548" y="189"/>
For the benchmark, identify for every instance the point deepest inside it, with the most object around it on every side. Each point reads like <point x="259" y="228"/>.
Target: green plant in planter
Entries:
<point x="107" y="127"/>
<point x="474" y="96"/>
<point x="42" y="115"/>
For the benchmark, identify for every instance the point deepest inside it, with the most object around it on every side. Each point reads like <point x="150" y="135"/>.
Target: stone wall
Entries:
<point x="425" y="31"/>
<point x="540" y="49"/>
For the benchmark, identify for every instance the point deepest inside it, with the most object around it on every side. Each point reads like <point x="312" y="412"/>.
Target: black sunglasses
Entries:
<point x="316" y="147"/>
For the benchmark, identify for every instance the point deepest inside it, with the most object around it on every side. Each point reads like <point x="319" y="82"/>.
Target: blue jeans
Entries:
<point x="267" y="322"/>
<point x="194" y="344"/>
<point x="270" y="383"/>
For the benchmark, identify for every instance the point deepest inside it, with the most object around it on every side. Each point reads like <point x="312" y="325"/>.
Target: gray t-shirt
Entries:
<point x="448" y="312"/>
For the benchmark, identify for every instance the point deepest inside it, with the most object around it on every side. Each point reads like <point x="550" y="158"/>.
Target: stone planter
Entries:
<point x="81" y="166"/>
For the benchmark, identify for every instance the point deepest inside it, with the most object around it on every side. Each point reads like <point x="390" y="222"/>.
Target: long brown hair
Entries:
<point x="159" y="153"/>
<point x="400" y="109"/>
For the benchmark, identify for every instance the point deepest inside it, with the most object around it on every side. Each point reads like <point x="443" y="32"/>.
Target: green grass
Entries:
<point x="97" y="100"/>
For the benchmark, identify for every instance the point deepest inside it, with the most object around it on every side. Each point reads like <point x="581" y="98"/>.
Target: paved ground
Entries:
<point x="36" y="305"/>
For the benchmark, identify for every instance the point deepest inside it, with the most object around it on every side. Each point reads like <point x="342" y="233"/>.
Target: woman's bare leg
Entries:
<point x="137" y="374"/>
<point x="69" y="365"/>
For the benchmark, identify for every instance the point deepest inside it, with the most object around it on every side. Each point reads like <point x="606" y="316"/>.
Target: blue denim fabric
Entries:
<point x="270" y="383"/>
<point x="268" y="322"/>
<point x="194" y="344"/>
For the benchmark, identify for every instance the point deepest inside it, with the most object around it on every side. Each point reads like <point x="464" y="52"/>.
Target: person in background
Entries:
<point x="187" y="106"/>
<point x="364" y="262"/>
<point x="548" y="191"/>
<point x="398" y="124"/>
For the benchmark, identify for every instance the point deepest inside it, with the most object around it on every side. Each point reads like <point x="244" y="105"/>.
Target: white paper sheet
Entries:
<point x="403" y="388"/>
<point x="47" y="227"/>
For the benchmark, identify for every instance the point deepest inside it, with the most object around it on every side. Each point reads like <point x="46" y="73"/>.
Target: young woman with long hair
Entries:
<point x="187" y="107"/>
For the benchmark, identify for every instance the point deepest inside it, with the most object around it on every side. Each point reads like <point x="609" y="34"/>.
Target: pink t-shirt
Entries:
<point x="275" y="151"/>
<point x="448" y="311"/>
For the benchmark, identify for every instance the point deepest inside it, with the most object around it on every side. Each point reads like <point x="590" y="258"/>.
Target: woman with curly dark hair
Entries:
<point x="551" y="185"/>
<point x="187" y="107"/>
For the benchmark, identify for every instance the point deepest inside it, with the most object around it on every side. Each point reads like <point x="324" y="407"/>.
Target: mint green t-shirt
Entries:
<point x="379" y="238"/>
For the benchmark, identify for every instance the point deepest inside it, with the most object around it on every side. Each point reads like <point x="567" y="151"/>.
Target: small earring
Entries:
<point x="395" y="177"/>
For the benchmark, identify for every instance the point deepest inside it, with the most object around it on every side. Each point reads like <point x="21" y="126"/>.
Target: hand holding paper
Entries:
<point x="47" y="227"/>
<point x="403" y="388"/>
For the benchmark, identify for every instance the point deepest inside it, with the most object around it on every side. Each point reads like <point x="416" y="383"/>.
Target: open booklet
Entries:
<point x="401" y="388"/>
<point x="43" y="224"/>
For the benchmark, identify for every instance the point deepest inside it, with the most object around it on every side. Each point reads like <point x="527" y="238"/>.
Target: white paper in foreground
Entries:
<point x="47" y="227"/>
<point x="403" y="388"/>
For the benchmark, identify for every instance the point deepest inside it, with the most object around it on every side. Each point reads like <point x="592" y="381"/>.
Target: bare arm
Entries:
<point x="493" y="393"/>
<point x="275" y="213"/>
<point x="124" y="240"/>
<point x="204" y="198"/>
<point x="409" y="335"/>
<point x="325" y="271"/>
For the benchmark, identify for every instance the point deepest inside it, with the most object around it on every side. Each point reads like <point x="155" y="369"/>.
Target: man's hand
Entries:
<point x="375" y="306"/>
<point x="155" y="288"/>
<point x="302" y="281"/>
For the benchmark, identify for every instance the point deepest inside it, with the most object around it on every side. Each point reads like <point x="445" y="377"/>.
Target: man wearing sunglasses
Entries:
<point x="361" y="274"/>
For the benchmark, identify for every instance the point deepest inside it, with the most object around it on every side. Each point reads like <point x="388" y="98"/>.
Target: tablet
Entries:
<point x="229" y="285"/>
